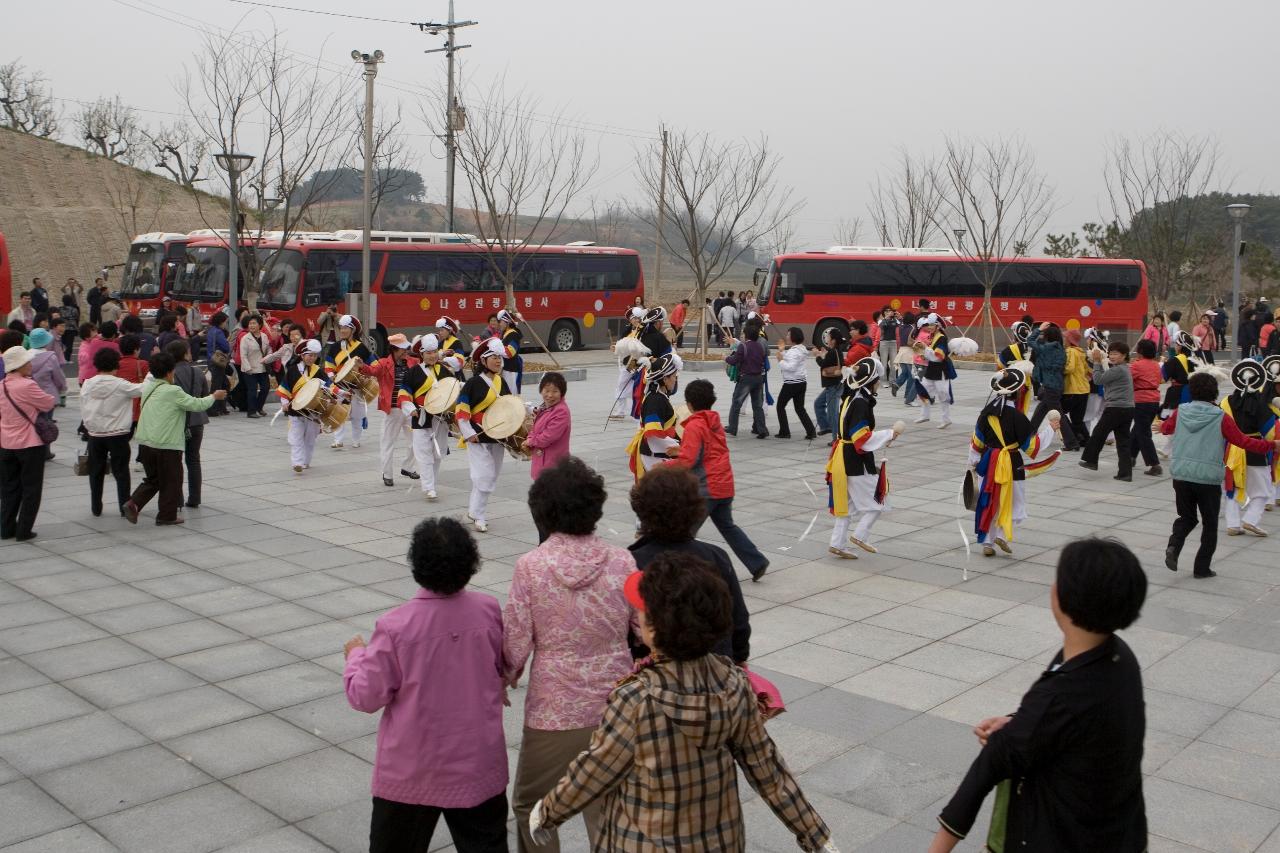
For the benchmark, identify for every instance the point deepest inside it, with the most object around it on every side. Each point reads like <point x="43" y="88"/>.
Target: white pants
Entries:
<point x="428" y="447"/>
<point x="1019" y="515"/>
<point x="940" y="391"/>
<point x="1259" y="491"/>
<point x="395" y="425"/>
<point x="621" y="395"/>
<point x="302" y="440"/>
<point x="485" y="461"/>
<point x="862" y="502"/>
<point x="359" y="409"/>
<point x="510" y="377"/>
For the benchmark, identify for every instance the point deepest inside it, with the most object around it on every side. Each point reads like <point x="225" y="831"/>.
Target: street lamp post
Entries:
<point x="1238" y="213"/>
<point x="234" y="163"/>
<point x="370" y="62"/>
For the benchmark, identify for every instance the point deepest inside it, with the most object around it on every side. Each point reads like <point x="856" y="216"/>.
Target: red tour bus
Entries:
<point x="818" y="290"/>
<point x="572" y="295"/>
<point x="6" y="279"/>
<point x="149" y="271"/>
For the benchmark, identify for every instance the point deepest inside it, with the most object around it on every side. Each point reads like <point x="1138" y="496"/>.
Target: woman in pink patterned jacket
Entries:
<point x="565" y="607"/>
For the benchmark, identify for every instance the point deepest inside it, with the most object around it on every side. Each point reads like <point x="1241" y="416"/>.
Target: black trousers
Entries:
<point x="68" y="343"/>
<point x="1117" y="421"/>
<point x="1050" y="399"/>
<point x="407" y="828"/>
<point x="162" y="473"/>
<point x="21" y="484"/>
<point x="218" y="382"/>
<point x="1140" y="441"/>
<point x="110" y="450"/>
<point x="1073" y="409"/>
<point x="195" y="437"/>
<point x="1190" y="498"/>
<point x="793" y="392"/>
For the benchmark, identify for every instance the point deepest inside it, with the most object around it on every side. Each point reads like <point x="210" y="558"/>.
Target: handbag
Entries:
<point x="82" y="464"/>
<point x="996" y="835"/>
<point x="46" y="430"/>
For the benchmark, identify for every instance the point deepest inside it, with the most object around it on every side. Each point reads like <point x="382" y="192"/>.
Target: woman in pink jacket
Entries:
<point x="567" y="609"/>
<point x="434" y="669"/>
<point x="548" y="441"/>
<point x="22" y="453"/>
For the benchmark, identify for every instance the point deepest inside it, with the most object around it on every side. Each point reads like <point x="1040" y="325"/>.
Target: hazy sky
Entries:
<point x="836" y="86"/>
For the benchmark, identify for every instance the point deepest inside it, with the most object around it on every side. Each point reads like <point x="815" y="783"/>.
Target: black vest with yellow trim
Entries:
<point x="418" y="382"/>
<point x="295" y="376"/>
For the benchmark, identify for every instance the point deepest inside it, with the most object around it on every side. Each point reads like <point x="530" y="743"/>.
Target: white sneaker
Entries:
<point x="355" y="444"/>
<point x="922" y="419"/>
<point x="337" y="445"/>
<point x="944" y="424"/>
<point x="431" y="494"/>
<point x="482" y="526"/>
<point x="1163" y="454"/>
<point x="1254" y="529"/>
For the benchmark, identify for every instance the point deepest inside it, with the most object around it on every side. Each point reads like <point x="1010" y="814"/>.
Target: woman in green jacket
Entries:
<point x="162" y="436"/>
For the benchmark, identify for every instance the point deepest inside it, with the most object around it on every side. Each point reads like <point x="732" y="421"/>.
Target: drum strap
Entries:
<point x="344" y="353"/>
<point x="432" y="373"/>
<point x="495" y="390"/>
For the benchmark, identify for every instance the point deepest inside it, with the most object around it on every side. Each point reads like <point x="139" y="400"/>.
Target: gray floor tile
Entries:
<point x="70" y="662"/>
<point x="196" y="821"/>
<point x="47" y="586"/>
<point x="232" y="660"/>
<point x="283" y="686"/>
<point x="881" y="644"/>
<point x="286" y="840"/>
<point x="36" y="706"/>
<point x="48" y="635"/>
<point x="272" y="619"/>
<point x="1244" y="776"/>
<point x="176" y="714"/>
<point x="335" y="778"/>
<point x="1212" y="672"/>
<point x="857" y="719"/>
<point x="132" y="683"/>
<point x="907" y="688"/>
<point x="104" y="598"/>
<point x="932" y="740"/>
<point x="850" y="826"/>
<point x="331" y="718"/>
<point x="245" y="745"/>
<point x="15" y="615"/>
<point x="40" y="813"/>
<point x="342" y="603"/>
<point x="73" y="839"/>
<point x="816" y="663"/>
<point x="313" y="640"/>
<point x="121" y="781"/>
<point x="346" y="828"/>
<point x="16" y="675"/>
<point x="170" y="640"/>
<point x="880" y="782"/>
<point x="48" y="747"/>
<point x="140" y="617"/>
<point x="1206" y="820"/>
<point x="957" y="662"/>
<point x="226" y="600"/>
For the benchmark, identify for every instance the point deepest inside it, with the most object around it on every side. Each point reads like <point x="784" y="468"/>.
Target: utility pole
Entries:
<point x="366" y="315"/>
<point x="662" y="212"/>
<point x="455" y="116"/>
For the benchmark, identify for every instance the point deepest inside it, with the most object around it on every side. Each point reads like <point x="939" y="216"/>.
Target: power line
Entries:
<point x="318" y="12"/>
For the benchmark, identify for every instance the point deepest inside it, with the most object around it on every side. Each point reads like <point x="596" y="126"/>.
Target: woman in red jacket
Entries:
<point x="704" y="451"/>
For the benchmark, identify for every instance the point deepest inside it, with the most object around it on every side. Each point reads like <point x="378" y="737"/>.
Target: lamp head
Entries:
<point x="378" y="56"/>
<point x="233" y="161"/>
<point x="1238" y="211"/>
<point x="357" y="55"/>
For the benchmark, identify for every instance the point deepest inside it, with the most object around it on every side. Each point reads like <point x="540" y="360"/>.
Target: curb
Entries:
<point x="570" y="374"/>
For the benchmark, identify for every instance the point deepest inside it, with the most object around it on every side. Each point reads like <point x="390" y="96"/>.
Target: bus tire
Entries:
<point x="564" y="336"/>
<point x="376" y="341"/>
<point x="829" y="323"/>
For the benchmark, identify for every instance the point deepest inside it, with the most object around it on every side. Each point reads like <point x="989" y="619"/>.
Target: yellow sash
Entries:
<point x="344" y="352"/>
<point x="433" y="373"/>
<point x="490" y="396"/>
<point x="637" y="440"/>
<point x="1236" y="460"/>
<point x="1001" y="468"/>
<point x="836" y="469"/>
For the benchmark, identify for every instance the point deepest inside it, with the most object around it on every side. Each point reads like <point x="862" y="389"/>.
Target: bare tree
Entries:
<point x="1153" y="184"/>
<point x="723" y="198"/>
<point x="138" y="199"/>
<point x="391" y="156"/>
<point x="848" y="231"/>
<point x="110" y="127"/>
<point x="606" y="221"/>
<point x="180" y="150"/>
<point x="247" y="92"/>
<point x="994" y="191"/>
<point x="522" y="170"/>
<point x="904" y="202"/>
<point x="26" y="102"/>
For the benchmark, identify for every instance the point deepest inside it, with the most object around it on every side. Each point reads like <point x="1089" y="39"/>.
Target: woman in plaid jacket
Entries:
<point x="665" y="757"/>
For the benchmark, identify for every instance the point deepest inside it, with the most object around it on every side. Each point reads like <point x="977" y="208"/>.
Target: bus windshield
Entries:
<point x="765" y="283"/>
<point x="278" y="274"/>
<point x="142" y="270"/>
<point x="203" y="274"/>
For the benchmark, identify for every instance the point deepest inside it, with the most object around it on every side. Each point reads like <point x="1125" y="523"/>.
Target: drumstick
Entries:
<point x="274" y="417"/>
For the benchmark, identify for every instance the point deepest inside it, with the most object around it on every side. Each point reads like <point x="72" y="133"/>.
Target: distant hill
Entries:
<point x="65" y="212"/>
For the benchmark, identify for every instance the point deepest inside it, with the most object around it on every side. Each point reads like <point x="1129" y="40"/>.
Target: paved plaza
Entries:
<point x="178" y="690"/>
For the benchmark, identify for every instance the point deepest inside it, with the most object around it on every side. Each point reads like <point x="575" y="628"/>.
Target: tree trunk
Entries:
<point x="702" y="326"/>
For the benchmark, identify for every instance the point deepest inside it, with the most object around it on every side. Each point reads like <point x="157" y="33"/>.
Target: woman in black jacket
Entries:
<point x="191" y="379"/>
